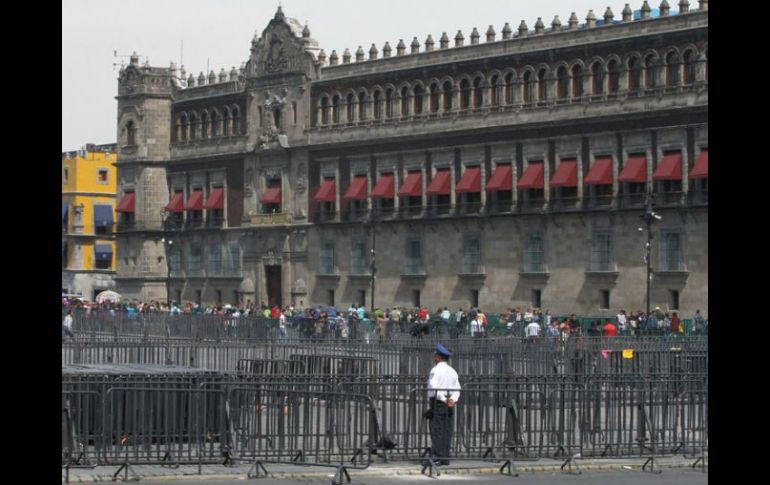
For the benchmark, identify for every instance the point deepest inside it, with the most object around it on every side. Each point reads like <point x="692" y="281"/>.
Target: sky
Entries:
<point x="208" y="35"/>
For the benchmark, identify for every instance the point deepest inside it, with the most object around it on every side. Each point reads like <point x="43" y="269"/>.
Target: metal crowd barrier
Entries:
<point x="632" y="357"/>
<point x="188" y="416"/>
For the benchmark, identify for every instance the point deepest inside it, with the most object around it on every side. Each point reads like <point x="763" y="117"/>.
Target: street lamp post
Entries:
<point x="649" y="217"/>
<point x="372" y="266"/>
<point x="167" y="244"/>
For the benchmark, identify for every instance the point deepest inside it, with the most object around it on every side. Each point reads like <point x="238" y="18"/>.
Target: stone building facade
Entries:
<point x="510" y="172"/>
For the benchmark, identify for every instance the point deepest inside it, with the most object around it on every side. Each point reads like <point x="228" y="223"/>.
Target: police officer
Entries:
<point x="443" y="393"/>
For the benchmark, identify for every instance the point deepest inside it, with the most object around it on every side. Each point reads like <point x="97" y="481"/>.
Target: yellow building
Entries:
<point x="88" y="215"/>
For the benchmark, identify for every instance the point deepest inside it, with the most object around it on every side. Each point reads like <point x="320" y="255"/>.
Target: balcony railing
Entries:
<point x="215" y="222"/>
<point x="277" y="218"/>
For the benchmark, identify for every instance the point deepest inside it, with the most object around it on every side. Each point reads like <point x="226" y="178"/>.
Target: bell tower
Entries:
<point x="144" y="98"/>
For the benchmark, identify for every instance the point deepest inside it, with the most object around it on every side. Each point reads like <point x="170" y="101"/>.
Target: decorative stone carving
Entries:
<point x="299" y="287"/>
<point x="301" y="179"/>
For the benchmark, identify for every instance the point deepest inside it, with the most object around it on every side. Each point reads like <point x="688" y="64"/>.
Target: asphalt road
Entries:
<point x="631" y="477"/>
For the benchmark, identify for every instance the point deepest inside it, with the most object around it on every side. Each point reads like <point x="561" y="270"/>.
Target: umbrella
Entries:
<point x="108" y="295"/>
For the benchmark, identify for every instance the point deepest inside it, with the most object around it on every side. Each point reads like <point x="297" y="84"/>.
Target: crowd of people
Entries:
<point x="330" y="322"/>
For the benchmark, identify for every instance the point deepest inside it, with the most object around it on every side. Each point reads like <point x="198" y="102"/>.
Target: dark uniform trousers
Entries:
<point x="440" y="429"/>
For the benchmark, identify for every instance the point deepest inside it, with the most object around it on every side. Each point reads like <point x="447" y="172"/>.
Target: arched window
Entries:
<point x="465" y="94"/>
<point x="542" y="90"/>
<point x="216" y="124"/>
<point x="325" y="111"/>
<point x="404" y="101"/>
<point x="418" y="92"/>
<point x="577" y="81"/>
<point x="529" y="87"/>
<point x="335" y="109"/>
<point x="494" y="92"/>
<point x="350" y="107"/>
<point x="389" y="103"/>
<point x="277" y="119"/>
<point x="183" y="128"/>
<point x="434" y="98"/>
<point x="130" y="133"/>
<point x="478" y="93"/>
<point x="562" y="83"/>
<point x="447" y="89"/>
<point x="377" y="105"/>
<point x="688" y="76"/>
<point x="226" y="122"/>
<point x="193" y="126"/>
<point x="361" y="107"/>
<point x="597" y="78"/>
<point x="649" y="71"/>
<point x="634" y="74"/>
<point x="672" y="69"/>
<point x="614" y="73"/>
<point x="508" y="88"/>
<point x="236" y="121"/>
<point x="204" y="125"/>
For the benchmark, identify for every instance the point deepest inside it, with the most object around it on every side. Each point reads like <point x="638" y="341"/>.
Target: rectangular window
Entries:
<point x="194" y="259"/>
<point x="671" y="252"/>
<point x="674" y="299"/>
<point x="471" y="254"/>
<point x="416" y="298"/>
<point x="330" y="298"/>
<point x="604" y="304"/>
<point x="219" y="297"/>
<point x="474" y="298"/>
<point x="534" y="261"/>
<point x="102" y="176"/>
<point x="413" y="256"/>
<point x="214" y="260"/>
<point x="326" y="258"/>
<point x="198" y="297"/>
<point x="358" y="257"/>
<point x="66" y="177"/>
<point x="294" y="111"/>
<point x="232" y="260"/>
<point x="362" y="298"/>
<point x="601" y="252"/>
<point x="536" y="299"/>
<point x="236" y="297"/>
<point x="175" y="260"/>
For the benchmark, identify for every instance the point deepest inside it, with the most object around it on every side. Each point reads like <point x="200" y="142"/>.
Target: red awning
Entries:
<point x="412" y="186"/>
<point x="440" y="183"/>
<point x="600" y="173"/>
<point x="384" y="188"/>
<point x="327" y="192"/>
<point x="127" y="203"/>
<point x="501" y="178"/>
<point x="566" y="174"/>
<point x="701" y="169"/>
<point x="271" y="195"/>
<point x="216" y="199"/>
<point x="471" y="181"/>
<point x="195" y="202"/>
<point x="670" y="168"/>
<point x="635" y="170"/>
<point x="533" y="177"/>
<point x="177" y="203"/>
<point x="356" y="189"/>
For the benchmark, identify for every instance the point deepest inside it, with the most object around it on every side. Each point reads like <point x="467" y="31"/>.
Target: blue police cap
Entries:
<point x="441" y="350"/>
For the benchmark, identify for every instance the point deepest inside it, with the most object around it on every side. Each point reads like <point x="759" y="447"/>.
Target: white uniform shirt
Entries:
<point x="68" y="322"/>
<point x="533" y="330"/>
<point x="475" y="326"/>
<point x="444" y="379"/>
